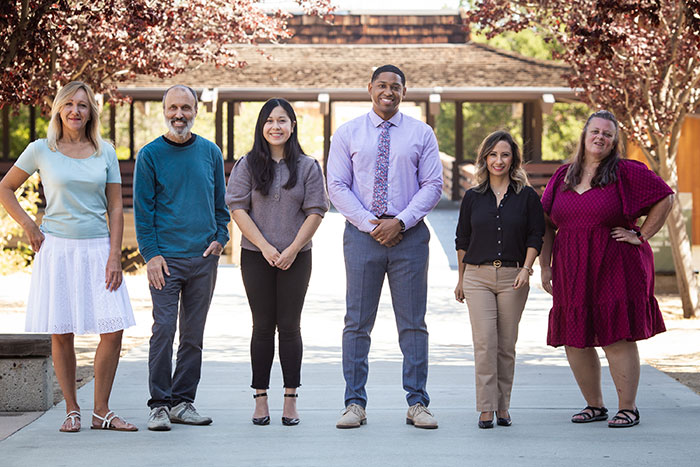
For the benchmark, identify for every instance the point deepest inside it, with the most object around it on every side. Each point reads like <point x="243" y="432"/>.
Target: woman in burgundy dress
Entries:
<point x="602" y="268"/>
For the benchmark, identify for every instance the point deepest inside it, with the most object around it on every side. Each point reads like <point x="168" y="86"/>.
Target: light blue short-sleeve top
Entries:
<point x="76" y="202"/>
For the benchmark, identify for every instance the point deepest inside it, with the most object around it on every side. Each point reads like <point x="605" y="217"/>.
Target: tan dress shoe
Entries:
<point x="353" y="417"/>
<point x="419" y="416"/>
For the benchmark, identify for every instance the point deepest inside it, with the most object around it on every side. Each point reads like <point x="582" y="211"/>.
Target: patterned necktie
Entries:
<point x="381" y="173"/>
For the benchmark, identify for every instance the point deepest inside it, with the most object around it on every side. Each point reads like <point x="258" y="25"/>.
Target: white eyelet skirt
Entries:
<point x="68" y="294"/>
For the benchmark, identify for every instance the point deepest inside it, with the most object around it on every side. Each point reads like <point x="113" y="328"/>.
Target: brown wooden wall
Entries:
<point x="688" y="166"/>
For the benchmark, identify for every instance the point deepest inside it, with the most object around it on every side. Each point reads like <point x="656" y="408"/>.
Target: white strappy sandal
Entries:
<point x="107" y="423"/>
<point x="74" y="417"/>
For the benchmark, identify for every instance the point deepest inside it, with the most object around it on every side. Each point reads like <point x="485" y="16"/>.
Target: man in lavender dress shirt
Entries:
<point x="394" y="243"/>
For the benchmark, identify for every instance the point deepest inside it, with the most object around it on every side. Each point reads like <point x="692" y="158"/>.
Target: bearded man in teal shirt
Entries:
<point x="181" y="227"/>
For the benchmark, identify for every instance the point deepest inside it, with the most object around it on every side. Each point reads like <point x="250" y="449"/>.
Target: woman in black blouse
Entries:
<point x="499" y="235"/>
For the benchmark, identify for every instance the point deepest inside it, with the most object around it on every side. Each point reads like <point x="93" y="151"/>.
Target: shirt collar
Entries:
<point x="488" y="191"/>
<point x="377" y="120"/>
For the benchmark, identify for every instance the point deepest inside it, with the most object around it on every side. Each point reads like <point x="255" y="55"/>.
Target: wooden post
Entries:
<point x="327" y="135"/>
<point x="459" y="149"/>
<point x="532" y="131"/>
<point x="219" y="124"/>
<point x="113" y="124"/>
<point x="132" y="155"/>
<point x="230" y="115"/>
<point x="6" y="132"/>
<point x="429" y="118"/>
<point x="32" y="123"/>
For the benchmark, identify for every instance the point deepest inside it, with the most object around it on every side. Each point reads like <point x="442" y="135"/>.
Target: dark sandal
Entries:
<point x="289" y="421"/>
<point x="626" y="416"/>
<point x="596" y="414"/>
<point x="262" y="421"/>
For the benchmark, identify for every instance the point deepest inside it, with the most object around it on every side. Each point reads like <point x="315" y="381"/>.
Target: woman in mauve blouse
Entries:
<point x="277" y="197"/>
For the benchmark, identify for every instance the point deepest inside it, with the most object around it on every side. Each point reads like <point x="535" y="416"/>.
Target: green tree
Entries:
<point x="19" y="130"/>
<point x="15" y="255"/>
<point x="480" y="119"/>
<point x="562" y="126"/>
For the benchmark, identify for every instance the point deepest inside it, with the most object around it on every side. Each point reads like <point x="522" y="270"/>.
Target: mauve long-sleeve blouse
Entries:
<point x="280" y="214"/>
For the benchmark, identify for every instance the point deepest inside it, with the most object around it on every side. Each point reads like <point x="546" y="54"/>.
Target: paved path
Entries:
<point x="544" y="397"/>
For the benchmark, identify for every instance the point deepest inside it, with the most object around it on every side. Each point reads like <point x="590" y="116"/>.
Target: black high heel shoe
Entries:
<point x="485" y="424"/>
<point x="504" y="421"/>
<point x="288" y="421"/>
<point x="261" y="420"/>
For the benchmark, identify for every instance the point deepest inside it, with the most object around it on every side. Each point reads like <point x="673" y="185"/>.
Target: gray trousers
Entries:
<point x="406" y="266"/>
<point x="186" y="295"/>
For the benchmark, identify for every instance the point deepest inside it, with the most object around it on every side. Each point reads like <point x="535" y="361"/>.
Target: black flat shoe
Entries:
<point x="502" y="421"/>
<point x="288" y="421"/>
<point x="261" y="420"/>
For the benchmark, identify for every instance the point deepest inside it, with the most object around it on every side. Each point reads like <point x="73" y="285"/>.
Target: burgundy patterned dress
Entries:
<point x="603" y="289"/>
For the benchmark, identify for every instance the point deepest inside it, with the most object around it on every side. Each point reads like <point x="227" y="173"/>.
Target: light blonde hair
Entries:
<point x="92" y="127"/>
<point x="518" y="176"/>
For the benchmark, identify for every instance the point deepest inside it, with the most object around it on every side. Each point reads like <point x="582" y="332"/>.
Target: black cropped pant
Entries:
<point x="276" y="298"/>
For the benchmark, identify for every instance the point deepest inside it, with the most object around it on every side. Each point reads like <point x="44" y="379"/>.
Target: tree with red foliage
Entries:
<point x="637" y="58"/>
<point x="44" y="43"/>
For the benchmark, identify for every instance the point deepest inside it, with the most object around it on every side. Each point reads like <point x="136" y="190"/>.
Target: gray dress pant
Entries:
<point x="367" y="263"/>
<point x="186" y="295"/>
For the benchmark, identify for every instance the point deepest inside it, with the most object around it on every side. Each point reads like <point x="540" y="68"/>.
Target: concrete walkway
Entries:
<point x="544" y="396"/>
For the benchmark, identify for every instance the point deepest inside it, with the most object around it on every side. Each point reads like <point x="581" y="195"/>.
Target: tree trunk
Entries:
<point x="678" y="236"/>
<point x="683" y="261"/>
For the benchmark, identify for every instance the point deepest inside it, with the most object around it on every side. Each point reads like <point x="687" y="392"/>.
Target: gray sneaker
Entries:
<point x="185" y="413"/>
<point x="353" y="416"/>
<point x="158" y="419"/>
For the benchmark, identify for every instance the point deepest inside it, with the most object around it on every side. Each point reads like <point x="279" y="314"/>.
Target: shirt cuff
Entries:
<point x="408" y="220"/>
<point x="366" y="226"/>
<point x="149" y="253"/>
<point x="245" y="205"/>
<point x="318" y="211"/>
<point x="222" y="239"/>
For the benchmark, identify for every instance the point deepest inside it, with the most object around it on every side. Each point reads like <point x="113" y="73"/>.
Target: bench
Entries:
<point x="26" y="373"/>
<point x="126" y="167"/>
<point x="539" y="173"/>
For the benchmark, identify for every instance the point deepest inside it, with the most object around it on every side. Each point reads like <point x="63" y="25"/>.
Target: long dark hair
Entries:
<point x="606" y="173"/>
<point x="259" y="158"/>
<point x="518" y="176"/>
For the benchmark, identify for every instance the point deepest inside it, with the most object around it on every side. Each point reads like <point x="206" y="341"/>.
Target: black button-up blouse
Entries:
<point x="488" y="232"/>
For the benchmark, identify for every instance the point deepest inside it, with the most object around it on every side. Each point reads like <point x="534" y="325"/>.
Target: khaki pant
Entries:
<point x="495" y="308"/>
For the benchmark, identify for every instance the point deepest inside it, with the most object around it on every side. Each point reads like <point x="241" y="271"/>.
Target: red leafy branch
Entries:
<point x="104" y="42"/>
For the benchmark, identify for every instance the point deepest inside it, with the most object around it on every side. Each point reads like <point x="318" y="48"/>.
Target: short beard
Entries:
<point x="179" y="131"/>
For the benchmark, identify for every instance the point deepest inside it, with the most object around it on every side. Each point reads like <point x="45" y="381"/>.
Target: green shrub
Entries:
<point x="16" y="255"/>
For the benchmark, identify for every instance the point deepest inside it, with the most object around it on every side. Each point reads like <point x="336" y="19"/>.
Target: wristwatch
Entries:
<point x="403" y="226"/>
<point x="640" y="236"/>
<point x="529" y="270"/>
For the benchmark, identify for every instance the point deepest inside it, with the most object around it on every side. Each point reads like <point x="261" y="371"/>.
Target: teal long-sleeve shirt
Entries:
<point x="179" y="206"/>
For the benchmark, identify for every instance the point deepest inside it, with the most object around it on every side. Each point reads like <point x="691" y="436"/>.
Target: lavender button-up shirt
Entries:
<point x="415" y="170"/>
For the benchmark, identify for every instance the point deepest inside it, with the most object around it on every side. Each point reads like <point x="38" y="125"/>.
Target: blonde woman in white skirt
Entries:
<point x="76" y="285"/>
